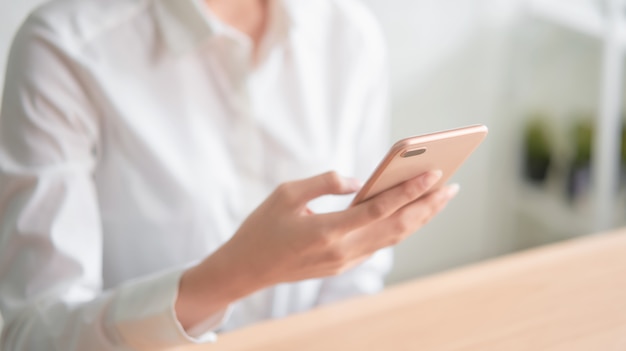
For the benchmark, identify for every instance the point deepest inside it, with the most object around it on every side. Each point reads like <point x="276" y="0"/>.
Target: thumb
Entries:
<point x="300" y="192"/>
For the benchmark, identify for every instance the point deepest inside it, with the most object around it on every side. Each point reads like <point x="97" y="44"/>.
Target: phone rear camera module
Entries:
<point x="414" y="152"/>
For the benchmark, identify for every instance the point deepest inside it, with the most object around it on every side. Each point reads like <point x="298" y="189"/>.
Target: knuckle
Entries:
<point x="339" y="269"/>
<point x="407" y="217"/>
<point x="337" y="256"/>
<point x="285" y="191"/>
<point x="405" y="221"/>
<point x="401" y="227"/>
<point x="429" y="209"/>
<point x="328" y="231"/>
<point x="426" y="216"/>
<point x="325" y="239"/>
<point x="333" y="180"/>
<point x="440" y="197"/>
<point x="376" y="210"/>
<point x="282" y="189"/>
<point x="435" y="207"/>
<point x="413" y="190"/>
<point x="395" y="239"/>
<point x="335" y="271"/>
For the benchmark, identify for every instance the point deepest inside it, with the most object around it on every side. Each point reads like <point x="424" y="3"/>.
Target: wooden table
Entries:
<point x="570" y="296"/>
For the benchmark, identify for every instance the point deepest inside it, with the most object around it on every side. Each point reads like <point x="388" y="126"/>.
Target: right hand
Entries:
<point x="283" y="241"/>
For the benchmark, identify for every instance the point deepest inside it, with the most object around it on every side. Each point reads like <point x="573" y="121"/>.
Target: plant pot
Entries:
<point x="578" y="180"/>
<point x="536" y="168"/>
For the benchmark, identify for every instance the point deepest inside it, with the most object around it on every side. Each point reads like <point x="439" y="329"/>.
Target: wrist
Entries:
<point x="209" y="287"/>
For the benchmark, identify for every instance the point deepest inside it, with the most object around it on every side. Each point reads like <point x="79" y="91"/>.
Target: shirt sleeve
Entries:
<point x="51" y="250"/>
<point x="372" y="78"/>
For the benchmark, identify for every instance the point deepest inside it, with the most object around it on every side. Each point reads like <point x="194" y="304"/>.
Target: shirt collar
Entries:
<point x="185" y="24"/>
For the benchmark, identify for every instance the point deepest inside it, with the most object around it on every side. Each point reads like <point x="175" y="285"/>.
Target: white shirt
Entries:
<point x="135" y="137"/>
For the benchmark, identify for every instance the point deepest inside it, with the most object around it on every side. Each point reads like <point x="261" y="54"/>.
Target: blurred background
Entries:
<point x="544" y="75"/>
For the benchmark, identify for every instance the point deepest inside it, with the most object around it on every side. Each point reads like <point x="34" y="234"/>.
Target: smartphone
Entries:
<point x="410" y="157"/>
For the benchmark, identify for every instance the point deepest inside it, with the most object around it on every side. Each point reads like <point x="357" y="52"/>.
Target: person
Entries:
<point x="165" y="166"/>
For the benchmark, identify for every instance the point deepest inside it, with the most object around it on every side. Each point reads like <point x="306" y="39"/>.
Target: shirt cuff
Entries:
<point x="144" y="316"/>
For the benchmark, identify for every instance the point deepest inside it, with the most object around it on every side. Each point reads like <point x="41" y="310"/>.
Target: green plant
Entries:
<point x="582" y="138"/>
<point x="581" y="141"/>
<point x="623" y="144"/>
<point x="537" y="148"/>
<point x="537" y="139"/>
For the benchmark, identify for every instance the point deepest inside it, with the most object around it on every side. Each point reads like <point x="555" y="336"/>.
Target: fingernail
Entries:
<point x="452" y="190"/>
<point x="431" y="178"/>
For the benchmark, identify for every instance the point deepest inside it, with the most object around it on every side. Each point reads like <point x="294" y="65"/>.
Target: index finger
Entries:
<point x="384" y="204"/>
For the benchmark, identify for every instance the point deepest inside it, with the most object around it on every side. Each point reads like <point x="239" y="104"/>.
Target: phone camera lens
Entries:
<point x="414" y="152"/>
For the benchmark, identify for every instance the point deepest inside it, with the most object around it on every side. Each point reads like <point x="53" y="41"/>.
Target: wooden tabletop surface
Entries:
<point x="567" y="297"/>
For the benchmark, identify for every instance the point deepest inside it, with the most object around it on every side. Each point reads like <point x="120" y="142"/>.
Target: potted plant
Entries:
<point x="537" y="149"/>
<point x="579" y="175"/>
<point x="623" y="153"/>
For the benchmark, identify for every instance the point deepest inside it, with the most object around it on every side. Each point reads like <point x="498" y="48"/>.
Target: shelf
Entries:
<point x="544" y="215"/>
<point x="604" y="20"/>
<point x="582" y="16"/>
<point x="552" y="211"/>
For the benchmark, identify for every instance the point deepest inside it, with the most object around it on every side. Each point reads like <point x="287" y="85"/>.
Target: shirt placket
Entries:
<point x="249" y="152"/>
<point x="249" y="148"/>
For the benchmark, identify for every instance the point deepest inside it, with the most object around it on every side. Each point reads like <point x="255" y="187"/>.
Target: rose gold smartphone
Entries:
<point x="410" y="157"/>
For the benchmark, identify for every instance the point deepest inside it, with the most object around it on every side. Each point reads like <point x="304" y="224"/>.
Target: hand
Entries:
<point x="283" y="241"/>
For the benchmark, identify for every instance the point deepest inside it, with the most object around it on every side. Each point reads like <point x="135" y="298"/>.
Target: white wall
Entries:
<point x="450" y="65"/>
<point x="458" y="62"/>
